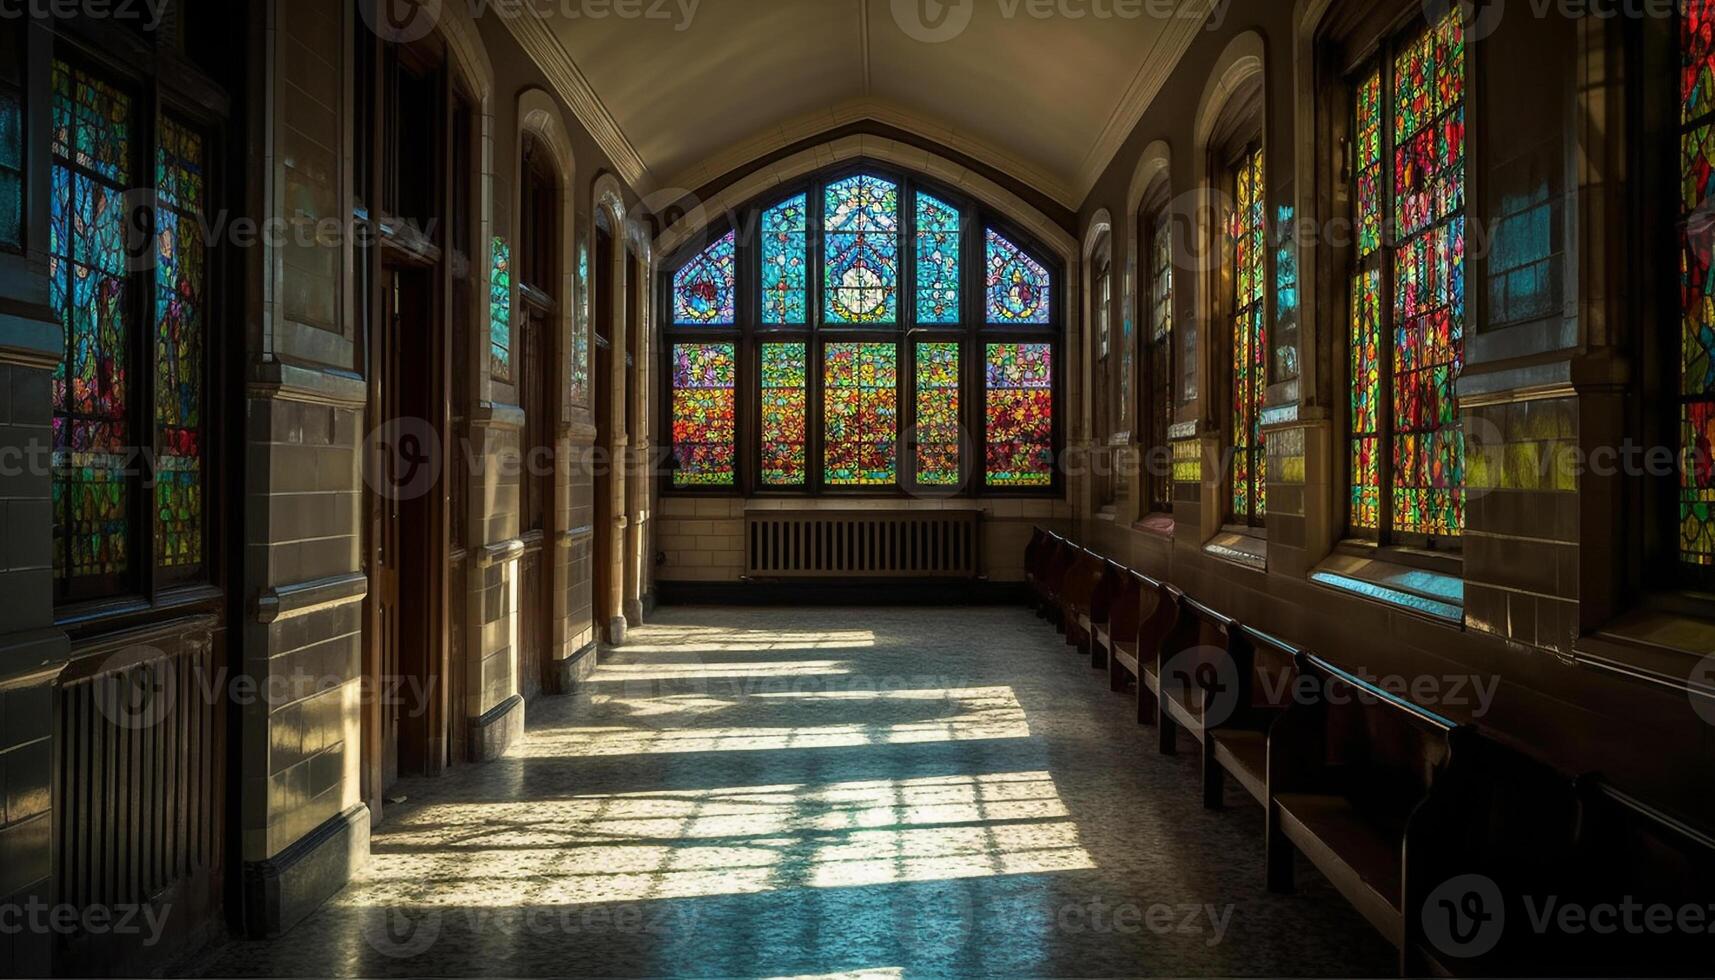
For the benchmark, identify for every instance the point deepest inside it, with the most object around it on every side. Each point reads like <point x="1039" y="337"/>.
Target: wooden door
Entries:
<point x="536" y="497"/>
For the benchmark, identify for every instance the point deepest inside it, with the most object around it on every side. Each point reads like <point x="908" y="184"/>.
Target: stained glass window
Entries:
<point x="704" y="288"/>
<point x="860" y="414"/>
<point x="1018" y="286"/>
<point x="1250" y="337"/>
<point x="579" y="379"/>
<point x="704" y="415"/>
<point x="11" y="138"/>
<point x="1161" y="399"/>
<point x="785" y="243"/>
<point x="1697" y="283"/>
<point x="938" y="431"/>
<point x="180" y="279"/>
<point x="785" y="420"/>
<point x="861" y="265"/>
<point x="500" y="312"/>
<point x="1020" y="415"/>
<point x="1127" y="348"/>
<point x="1406" y="348"/>
<point x="938" y="248"/>
<point x="87" y="266"/>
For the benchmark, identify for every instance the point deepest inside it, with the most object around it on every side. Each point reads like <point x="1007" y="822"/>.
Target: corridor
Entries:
<point x="790" y="792"/>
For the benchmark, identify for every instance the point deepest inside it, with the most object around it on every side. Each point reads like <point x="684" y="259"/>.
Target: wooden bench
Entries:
<point x="1159" y="619"/>
<point x="1095" y="615"/>
<point x="1115" y="643"/>
<point x="1195" y="668"/>
<point x="1631" y="852"/>
<point x="1507" y="818"/>
<point x="1266" y="672"/>
<point x="1062" y="555"/>
<point x="1350" y="768"/>
<point x="1035" y="563"/>
<point x="1079" y="592"/>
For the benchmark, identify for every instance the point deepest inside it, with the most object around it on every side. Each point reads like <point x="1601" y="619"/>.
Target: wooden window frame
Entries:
<point x="1158" y="356"/>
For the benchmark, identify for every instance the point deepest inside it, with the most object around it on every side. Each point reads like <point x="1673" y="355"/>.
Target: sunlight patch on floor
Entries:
<point x="712" y="639"/>
<point x="690" y="722"/>
<point x="739" y="840"/>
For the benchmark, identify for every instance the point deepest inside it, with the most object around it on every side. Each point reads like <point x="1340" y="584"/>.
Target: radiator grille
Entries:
<point x="862" y="544"/>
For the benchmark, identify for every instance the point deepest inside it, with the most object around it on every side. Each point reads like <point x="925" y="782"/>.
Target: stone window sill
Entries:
<point x="1662" y="647"/>
<point x="1245" y="547"/>
<point x="1160" y="525"/>
<point x="1436" y="595"/>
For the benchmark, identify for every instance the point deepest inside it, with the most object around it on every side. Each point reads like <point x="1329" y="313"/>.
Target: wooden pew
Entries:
<point x="1060" y="560"/>
<point x="1116" y="639"/>
<point x="1513" y="821"/>
<point x="1094" y="616"/>
<point x="1630" y="852"/>
<point x="1035" y="552"/>
<point x="1163" y="606"/>
<point x="1196" y="668"/>
<point x="1078" y="593"/>
<point x="1350" y="768"/>
<point x="1266" y="671"/>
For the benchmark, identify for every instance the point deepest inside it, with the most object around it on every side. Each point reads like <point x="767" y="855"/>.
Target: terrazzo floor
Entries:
<point x="812" y="792"/>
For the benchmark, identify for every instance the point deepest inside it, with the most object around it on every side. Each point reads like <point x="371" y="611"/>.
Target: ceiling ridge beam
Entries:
<point x="541" y="44"/>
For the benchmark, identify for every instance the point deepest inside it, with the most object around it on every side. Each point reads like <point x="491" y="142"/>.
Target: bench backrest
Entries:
<point x="1158" y="619"/>
<point x="1199" y="648"/>
<point x="1033" y="552"/>
<point x="1268" y="667"/>
<point x="1382" y="751"/>
<point x="1125" y="612"/>
<point x="1060" y="561"/>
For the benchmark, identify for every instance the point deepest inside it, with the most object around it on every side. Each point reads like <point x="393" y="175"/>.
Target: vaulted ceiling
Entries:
<point x="694" y="88"/>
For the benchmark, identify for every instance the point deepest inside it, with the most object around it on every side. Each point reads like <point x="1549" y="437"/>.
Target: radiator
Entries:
<point x="860" y="544"/>
<point x="140" y="789"/>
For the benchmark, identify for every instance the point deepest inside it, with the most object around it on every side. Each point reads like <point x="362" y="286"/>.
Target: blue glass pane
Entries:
<point x="1019" y="287"/>
<point x="785" y="229"/>
<point x="937" y="261"/>
<point x="861" y="271"/>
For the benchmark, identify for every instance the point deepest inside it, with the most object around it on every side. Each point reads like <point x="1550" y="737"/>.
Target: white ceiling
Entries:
<point x="1046" y="99"/>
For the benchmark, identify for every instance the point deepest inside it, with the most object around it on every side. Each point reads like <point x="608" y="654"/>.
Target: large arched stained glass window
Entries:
<point x="1019" y="287"/>
<point x="938" y="240"/>
<point x="785" y="244"/>
<point x="705" y="415"/>
<point x="883" y="345"/>
<point x="861" y="265"/>
<point x="1250" y="338"/>
<point x="11" y="137"/>
<point x="705" y="289"/>
<point x="1697" y="283"/>
<point x="1406" y="345"/>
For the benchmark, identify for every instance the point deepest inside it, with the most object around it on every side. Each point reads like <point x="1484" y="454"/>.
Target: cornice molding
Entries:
<point x="869" y="109"/>
<point x="543" y="46"/>
<point x="1157" y="66"/>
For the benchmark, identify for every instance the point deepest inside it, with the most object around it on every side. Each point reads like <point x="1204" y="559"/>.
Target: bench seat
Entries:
<point x="1243" y="753"/>
<point x="1366" y="867"/>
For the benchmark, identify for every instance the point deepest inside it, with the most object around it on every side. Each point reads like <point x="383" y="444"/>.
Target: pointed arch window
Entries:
<point x="1405" y="349"/>
<point x="1161" y="404"/>
<point x="1696" y="351"/>
<point x="705" y="289"/>
<point x="873" y="334"/>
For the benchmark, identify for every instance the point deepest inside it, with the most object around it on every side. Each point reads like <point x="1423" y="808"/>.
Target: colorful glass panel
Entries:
<point x="860" y="414"/>
<point x="938" y="249"/>
<point x="1366" y="360"/>
<point x="861" y="265"/>
<point x="704" y="415"/>
<point x="1020" y="414"/>
<point x="578" y="380"/>
<point x="939" y="435"/>
<point x="1250" y="338"/>
<point x="704" y="288"/>
<point x="87" y="269"/>
<point x="1427" y="457"/>
<point x="1160" y="359"/>
<point x="180" y="279"/>
<point x="785" y="243"/>
<point x="11" y="167"/>
<point x="1367" y="148"/>
<point x="500" y="311"/>
<point x="1697" y="283"/>
<point x="1019" y="287"/>
<point x="785" y="421"/>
